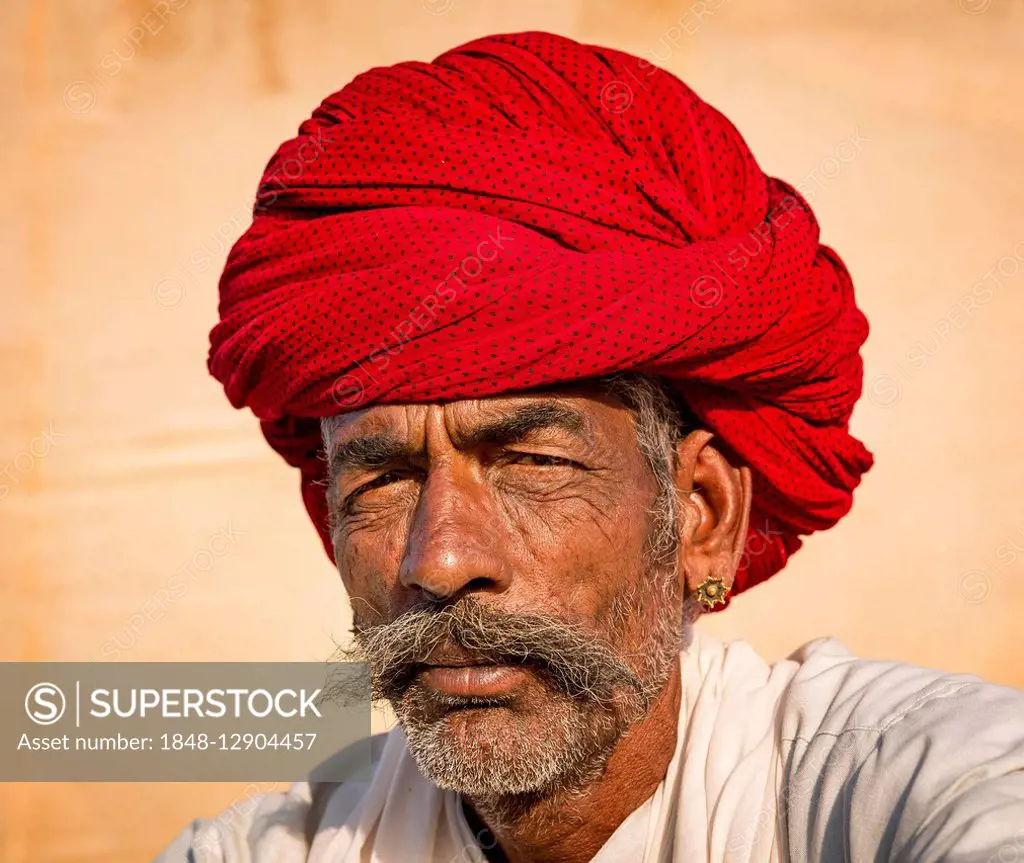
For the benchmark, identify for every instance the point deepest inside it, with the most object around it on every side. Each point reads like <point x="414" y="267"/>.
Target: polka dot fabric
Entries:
<point x="526" y="211"/>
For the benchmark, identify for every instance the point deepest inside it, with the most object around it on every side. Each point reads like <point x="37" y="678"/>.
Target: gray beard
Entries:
<point x="505" y="753"/>
<point x="508" y="756"/>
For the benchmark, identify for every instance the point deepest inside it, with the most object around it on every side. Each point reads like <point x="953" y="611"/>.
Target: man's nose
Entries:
<point x="452" y="546"/>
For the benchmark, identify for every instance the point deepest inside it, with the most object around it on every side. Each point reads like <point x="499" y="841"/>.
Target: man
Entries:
<point x="562" y="369"/>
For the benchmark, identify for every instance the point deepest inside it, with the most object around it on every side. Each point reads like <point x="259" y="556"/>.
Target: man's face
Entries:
<point x="496" y="553"/>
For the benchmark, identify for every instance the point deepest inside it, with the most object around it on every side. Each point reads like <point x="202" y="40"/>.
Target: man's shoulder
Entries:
<point x="280" y="825"/>
<point x="908" y="761"/>
<point x="824" y="690"/>
<point x="834" y="691"/>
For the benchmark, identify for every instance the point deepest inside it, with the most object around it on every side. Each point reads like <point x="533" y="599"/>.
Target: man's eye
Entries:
<point x="384" y="479"/>
<point x="533" y="459"/>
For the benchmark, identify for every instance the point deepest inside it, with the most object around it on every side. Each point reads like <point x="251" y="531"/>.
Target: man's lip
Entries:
<point x="480" y="680"/>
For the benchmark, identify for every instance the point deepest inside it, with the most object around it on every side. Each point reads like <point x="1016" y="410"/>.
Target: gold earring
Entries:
<point x="712" y="591"/>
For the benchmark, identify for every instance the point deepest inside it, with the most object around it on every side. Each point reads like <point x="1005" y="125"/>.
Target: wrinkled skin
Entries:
<point x="531" y="507"/>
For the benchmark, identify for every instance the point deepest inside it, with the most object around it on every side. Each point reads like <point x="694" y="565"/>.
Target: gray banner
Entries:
<point x="183" y="722"/>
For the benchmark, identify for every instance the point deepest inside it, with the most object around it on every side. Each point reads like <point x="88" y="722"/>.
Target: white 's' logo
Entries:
<point x="45" y="703"/>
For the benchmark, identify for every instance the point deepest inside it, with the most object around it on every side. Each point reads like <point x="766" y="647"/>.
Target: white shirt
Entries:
<point x="819" y="757"/>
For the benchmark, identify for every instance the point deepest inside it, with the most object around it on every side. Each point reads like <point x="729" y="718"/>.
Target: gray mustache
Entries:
<point x="573" y="661"/>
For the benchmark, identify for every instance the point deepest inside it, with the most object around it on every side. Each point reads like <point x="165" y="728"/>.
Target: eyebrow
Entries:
<point x="381" y="448"/>
<point x="367" y="451"/>
<point x="520" y="422"/>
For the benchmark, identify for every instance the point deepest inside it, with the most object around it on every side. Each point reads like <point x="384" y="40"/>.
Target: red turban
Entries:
<point x="528" y="211"/>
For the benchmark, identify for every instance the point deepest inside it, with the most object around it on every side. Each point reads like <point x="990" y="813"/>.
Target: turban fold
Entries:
<point x="527" y="211"/>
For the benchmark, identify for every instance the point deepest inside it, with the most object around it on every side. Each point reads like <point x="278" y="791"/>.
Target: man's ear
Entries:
<point x="714" y="511"/>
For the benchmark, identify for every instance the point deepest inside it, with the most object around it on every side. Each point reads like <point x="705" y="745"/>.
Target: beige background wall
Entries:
<point x="126" y="176"/>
